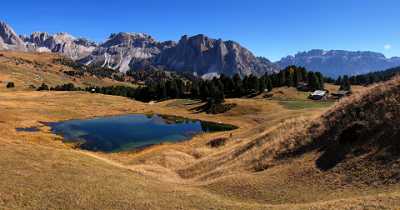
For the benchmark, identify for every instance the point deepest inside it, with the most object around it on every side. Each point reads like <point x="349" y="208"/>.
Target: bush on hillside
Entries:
<point x="10" y="85"/>
<point x="43" y="87"/>
<point x="219" y="142"/>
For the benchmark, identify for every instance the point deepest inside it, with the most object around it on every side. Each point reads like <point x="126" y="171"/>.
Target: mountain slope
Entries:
<point x="339" y="62"/>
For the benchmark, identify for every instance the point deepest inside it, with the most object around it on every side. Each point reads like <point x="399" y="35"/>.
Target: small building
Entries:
<point x="318" y="95"/>
<point x="341" y="94"/>
<point x="302" y="86"/>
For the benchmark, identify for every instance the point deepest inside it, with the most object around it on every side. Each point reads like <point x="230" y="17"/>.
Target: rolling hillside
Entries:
<point x="319" y="155"/>
<point x="29" y="70"/>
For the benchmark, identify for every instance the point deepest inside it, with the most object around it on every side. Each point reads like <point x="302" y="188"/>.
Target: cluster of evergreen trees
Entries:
<point x="292" y="76"/>
<point x="344" y="83"/>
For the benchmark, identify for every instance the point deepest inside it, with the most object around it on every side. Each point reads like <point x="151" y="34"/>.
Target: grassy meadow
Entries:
<point x="41" y="172"/>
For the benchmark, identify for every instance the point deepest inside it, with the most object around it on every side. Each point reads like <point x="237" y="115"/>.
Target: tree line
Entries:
<point x="212" y="91"/>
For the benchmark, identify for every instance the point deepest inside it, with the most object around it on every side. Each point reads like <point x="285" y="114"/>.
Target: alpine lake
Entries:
<point x="129" y="132"/>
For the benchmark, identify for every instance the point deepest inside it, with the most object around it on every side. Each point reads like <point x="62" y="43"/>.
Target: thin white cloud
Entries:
<point x="387" y="46"/>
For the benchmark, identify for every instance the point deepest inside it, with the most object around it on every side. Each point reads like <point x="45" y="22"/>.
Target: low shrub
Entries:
<point x="10" y="85"/>
<point x="219" y="142"/>
<point x="43" y="87"/>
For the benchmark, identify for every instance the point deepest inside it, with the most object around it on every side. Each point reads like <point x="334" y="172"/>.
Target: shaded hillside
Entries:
<point x="359" y="136"/>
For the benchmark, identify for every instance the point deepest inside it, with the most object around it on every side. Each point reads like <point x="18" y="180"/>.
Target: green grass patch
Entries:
<point x="296" y="105"/>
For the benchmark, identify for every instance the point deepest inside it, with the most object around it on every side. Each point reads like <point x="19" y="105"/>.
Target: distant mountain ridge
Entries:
<point x="123" y="51"/>
<point x="339" y="62"/>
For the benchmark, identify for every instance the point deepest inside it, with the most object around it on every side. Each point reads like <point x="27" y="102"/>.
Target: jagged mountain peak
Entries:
<point x="9" y="40"/>
<point x="128" y="39"/>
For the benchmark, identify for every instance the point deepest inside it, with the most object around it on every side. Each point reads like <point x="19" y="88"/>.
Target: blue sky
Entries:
<point x="270" y="28"/>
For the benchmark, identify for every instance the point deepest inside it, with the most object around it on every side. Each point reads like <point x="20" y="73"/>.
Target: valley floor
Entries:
<point x="38" y="171"/>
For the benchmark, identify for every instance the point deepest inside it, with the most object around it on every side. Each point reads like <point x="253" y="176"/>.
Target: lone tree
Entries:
<point x="10" y="85"/>
<point x="345" y="84"/>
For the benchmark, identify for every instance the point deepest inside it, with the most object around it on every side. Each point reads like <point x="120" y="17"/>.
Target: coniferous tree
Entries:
<point x="320" y="80"/>
<point x="338" y="80"/>
<point x="238" y="86"/>
<point x="252" y="84"/>
<point x="204" y="90"/>
<point x="180" y="88"/>
<point x="172" y="89"/>
<point x="195" y="89"/>
<point x="162" y="90"/>
<point x="313" y="81"/>
<point x="282" y="78"/>
<point x="268" y="83"/>
<point x="303" y="72"/>
<point x="345" y="85"/>
<point x="262" y="85"/>
<point x="297" y="77"/>
<point x="289" y="77"/>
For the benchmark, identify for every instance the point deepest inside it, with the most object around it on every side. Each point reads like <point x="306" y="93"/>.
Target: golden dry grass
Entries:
<point x="40" y="172"/>
<point x="186" y="175"/>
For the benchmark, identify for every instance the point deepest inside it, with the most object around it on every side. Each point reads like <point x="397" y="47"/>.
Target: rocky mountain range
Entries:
<point x="198" y="55"/>
<point x="339" y="62"/>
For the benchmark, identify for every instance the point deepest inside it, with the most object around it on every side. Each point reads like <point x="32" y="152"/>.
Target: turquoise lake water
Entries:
<point x="130" y="132"/>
